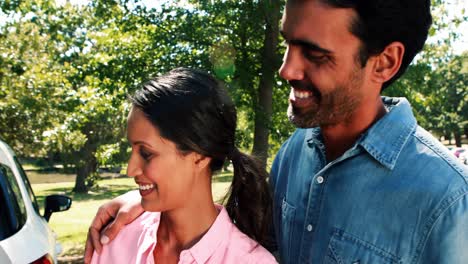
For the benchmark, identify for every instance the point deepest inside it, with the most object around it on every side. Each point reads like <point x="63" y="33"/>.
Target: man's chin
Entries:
<point x="301" y="123"/>
<point x="300" y="120"/>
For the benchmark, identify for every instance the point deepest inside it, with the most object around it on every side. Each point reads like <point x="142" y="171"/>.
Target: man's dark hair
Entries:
<point x="381" y="22"/>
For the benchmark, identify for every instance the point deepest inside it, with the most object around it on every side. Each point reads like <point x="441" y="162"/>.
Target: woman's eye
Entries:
<point x="145" y="155"/>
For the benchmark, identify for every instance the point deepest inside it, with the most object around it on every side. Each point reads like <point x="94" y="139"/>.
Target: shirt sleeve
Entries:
<point x="448" y="240"/>
<point x="273" y="247"/>
<point x="274" y="168"/>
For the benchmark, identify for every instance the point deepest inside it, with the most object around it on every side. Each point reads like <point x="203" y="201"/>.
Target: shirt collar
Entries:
<point x="387" y="137"/>
<point x="313" y="136"/>
<point x="214" y="238"/>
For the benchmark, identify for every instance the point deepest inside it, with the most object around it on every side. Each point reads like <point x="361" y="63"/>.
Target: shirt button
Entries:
<point x="319" y="179"/>
<point x="309" y="228"/>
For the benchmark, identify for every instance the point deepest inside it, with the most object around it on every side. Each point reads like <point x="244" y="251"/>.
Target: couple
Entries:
<point x="358" y="182"/>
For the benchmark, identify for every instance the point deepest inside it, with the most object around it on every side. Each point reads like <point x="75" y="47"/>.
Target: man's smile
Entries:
<point x="302" y="98"/>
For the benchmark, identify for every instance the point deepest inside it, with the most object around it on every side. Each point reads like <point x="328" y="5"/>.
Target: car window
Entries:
<point x="5" y="226"/>
<point x="13" y="212"/>
<point x="28" y="185"/>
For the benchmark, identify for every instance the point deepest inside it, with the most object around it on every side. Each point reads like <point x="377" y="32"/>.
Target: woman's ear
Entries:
<point x="201" y="161"/>
<point x="388" y="62"/>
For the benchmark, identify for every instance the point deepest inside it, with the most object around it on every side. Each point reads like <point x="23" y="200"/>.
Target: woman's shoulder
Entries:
<point x="248" y="249"/>
<point x="147" y="218"/>
<point x="245" y="249"/>
<point x="137" y="226"/>
<point x="130" y="237"/>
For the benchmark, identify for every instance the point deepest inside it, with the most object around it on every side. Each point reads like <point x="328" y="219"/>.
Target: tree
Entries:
<point x="70" y="67"/>
<point x="56" y="85"/>
<point x="435" y="83"/>
<point x="263" y="111"/>
<point x="448" y="100"/>
<point x="29" y="80"/>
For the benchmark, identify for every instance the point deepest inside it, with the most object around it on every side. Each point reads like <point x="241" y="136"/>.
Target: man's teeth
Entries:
<point x="145" y="187"/>
<point x="301" y="94"/>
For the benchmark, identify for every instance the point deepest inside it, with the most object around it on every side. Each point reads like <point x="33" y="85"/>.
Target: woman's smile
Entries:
<point x="146" y="189"/>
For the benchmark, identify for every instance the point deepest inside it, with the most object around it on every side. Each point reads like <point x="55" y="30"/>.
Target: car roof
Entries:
<point x="6" y="154"/>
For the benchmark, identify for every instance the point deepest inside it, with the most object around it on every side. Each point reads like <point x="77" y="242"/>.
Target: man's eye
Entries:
<point x="315" y="58"/>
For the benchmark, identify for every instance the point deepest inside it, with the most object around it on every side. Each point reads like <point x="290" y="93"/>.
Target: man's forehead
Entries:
<point x="315" y="13"/>
<point x="299" y="2"/>
<point x="315" y="24"/>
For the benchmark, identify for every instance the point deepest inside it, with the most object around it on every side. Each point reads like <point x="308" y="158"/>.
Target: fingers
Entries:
<point x="88" y="250"/>
<point x="95" y="239"/>
<point x="103" y="216"/>
<point x="93" y="242"/>
<point x="111" y="230"/>
<point x="124" y="209"/>
<point x="126" y="215"/>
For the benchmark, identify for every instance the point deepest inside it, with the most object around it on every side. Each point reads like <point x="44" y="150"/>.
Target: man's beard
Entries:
<point x="331" y="108"/>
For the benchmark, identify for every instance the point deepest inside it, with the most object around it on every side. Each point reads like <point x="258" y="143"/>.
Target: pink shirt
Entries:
<point x="223" y="243"/>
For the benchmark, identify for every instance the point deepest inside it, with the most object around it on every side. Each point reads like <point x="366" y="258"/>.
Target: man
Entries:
<point x="364" y="183"/>
<point x="359" y="181"/>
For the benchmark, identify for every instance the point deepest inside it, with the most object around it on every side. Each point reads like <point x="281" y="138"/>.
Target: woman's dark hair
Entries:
<point x="381" y="22"/>
<point x="193" y="110"/>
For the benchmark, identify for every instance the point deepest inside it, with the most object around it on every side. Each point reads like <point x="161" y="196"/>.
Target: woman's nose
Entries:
<point x="133" y="166"/>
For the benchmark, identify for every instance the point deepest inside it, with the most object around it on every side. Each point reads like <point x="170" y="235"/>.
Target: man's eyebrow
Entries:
<point x="306" y="44"/>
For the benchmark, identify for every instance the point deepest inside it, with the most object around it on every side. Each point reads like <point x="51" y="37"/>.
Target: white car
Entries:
<point x="25" y="236"/>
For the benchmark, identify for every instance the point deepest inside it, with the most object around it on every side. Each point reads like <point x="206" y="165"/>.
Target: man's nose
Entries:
<point x="292" y="67"/>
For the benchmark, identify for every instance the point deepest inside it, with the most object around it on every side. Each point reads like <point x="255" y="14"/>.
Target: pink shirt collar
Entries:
<point x="222" y="243"/>
<point x="215" y="237"/>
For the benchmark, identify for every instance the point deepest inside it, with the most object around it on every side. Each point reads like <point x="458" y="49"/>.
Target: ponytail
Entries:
<point x="193" y="110"/>
<point x="249" y="203"/>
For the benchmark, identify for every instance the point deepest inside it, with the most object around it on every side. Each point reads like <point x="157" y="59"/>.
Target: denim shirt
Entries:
<point x="397" y="196"/>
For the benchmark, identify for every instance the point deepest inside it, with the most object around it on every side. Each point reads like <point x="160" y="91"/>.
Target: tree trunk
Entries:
<point x="448" y="137"/>
<point x="80" y="182"/>
<point x="458" y="141"/>
<point x="263" y="109"/>
<point x="84" y="169"/>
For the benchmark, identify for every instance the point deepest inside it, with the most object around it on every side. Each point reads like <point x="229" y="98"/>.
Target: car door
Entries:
<point x="12" y="210"/>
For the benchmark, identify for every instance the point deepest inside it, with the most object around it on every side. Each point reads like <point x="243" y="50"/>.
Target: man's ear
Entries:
<point x="388" y="62"/>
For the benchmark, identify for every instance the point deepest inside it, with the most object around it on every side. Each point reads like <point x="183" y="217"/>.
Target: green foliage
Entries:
<point x="65" y="72"/>
<point x="111" y="154"/>
<point x="435" y="83"/>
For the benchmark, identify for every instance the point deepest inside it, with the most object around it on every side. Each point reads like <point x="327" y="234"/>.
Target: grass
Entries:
<point x="72" y="226"/>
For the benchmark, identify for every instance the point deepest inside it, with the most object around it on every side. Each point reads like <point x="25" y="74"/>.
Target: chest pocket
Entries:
<point x="286" y="231"/>
<point x="346" y="249"/>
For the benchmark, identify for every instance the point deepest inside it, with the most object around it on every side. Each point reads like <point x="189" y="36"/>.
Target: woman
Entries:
<point x="182" y="128"/>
